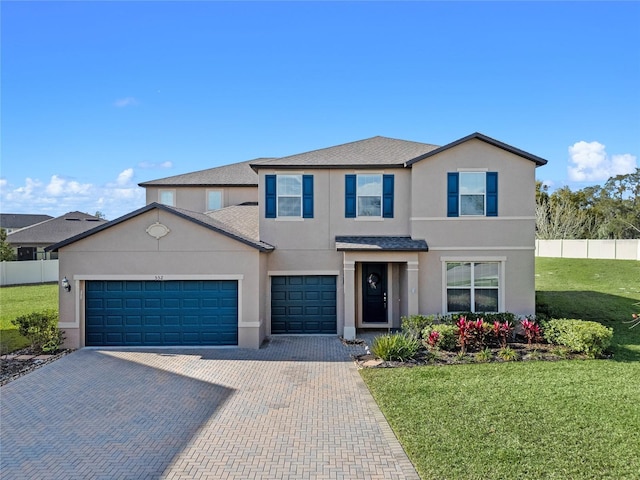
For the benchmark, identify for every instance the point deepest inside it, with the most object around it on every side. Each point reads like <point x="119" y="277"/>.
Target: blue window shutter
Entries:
<point x="270" y="196"/>
<point x="350" y="196"/>
<point x="387" y="196"/>
<point x="452" y="194"/>
<point x="492" y="194"/>
<point x="307" y="196"/>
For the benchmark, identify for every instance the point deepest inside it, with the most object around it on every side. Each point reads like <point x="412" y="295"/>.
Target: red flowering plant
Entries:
<point x="477" y="333"/>
<point x="501" y="332"/>
<point x="433" y="339"/>
<point x="531" y="330"/>
<point x="464" y="333"/>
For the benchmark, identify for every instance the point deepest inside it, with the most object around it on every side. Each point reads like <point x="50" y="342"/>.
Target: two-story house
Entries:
<point x="330" y="241"/>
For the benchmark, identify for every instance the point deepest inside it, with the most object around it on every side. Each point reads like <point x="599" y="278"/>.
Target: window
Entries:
<point x="167" y="197"/>
<point x="472" y="194"/>
<point x="473" y="286"/>
<point x="289" y="193"/>
<point x="369" y="196"/>
<point x="289" y="196"/>
<point x="214" y="200"/>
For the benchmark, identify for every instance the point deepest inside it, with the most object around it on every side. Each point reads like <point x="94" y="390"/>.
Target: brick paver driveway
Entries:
<point x="294" y="409"/>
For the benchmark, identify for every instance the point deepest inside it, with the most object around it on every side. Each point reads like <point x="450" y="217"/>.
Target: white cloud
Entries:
<point x="589" y="162"/>
<point x="126" y="102"/>
<point x="167" y="164"/>
<point x="61" y="195"/>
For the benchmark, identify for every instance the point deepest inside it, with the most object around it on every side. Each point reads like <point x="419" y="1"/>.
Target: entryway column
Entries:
<point x="349" y="300"/>
<point x="414" y="292"/>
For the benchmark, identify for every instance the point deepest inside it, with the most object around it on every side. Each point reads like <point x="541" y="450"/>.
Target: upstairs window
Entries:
<point x="214" y="200"/>
<point x="167" y="197"/>
<point x="289" y="196"/>
<point x="472" y="194"/>
<point x="369" y="196"/>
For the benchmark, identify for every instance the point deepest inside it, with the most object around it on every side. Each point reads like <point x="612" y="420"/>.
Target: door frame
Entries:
<point x="360" y="296"/>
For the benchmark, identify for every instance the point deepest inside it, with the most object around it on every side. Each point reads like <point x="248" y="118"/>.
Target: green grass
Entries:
<point x="552" y="420"/>
<point x="20" y="300"/>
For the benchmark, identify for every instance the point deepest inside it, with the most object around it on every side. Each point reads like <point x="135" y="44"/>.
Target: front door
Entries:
<point x="374" y="293"/>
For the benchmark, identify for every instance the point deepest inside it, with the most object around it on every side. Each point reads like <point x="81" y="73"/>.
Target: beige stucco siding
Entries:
<point x="195" y="198"/>
<point x="329" y="220"/>
<point x="188" y="251"/>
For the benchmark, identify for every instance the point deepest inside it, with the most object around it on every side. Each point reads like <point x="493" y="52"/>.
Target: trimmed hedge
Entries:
<point x="591" y="338"/>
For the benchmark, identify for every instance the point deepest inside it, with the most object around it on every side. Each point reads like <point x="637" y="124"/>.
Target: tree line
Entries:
<point x="611" y="211"/>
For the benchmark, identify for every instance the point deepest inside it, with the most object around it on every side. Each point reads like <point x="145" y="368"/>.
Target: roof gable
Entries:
<point x="491" y="141"/>
<point x="198" y="218"/>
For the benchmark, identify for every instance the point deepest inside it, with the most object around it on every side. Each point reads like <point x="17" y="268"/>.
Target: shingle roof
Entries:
<point x="199" y="218"/>
<point x="55" y="229"/>
<point x="243" y="218"/>
<point x="491" y="141"/>
<point x="374" y="152"/>
<point x="236" y="174"/>
<point x="397" y="244"/>
<point x="21" y="220"/>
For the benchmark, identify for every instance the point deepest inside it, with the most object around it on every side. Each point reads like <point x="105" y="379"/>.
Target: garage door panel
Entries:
<point x="161" y="313"/>
<point x="303" y="304"/>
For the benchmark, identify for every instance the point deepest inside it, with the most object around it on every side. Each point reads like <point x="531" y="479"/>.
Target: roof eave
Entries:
<point x="359" y="166"/>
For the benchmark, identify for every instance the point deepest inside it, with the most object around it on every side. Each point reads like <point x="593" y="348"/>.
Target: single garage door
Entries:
<point x="133" y="313"/>
<point x="303" y="304"/>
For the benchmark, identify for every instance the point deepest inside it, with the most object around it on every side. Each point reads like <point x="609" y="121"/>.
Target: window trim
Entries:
<point x="212" y="190"/>
<point x="501" y="261"/>
<point x="172" y="191"/>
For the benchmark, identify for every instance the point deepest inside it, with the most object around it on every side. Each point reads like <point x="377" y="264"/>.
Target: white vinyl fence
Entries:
<point x="32" y="271"/>
<point x="611" y="249"/>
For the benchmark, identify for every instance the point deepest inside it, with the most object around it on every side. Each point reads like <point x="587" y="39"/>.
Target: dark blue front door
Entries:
<point x="181" y="312"/>
<point x="303" y="304"/>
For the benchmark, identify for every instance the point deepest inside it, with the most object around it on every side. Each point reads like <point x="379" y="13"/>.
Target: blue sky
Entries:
<point x="99" y="96"/>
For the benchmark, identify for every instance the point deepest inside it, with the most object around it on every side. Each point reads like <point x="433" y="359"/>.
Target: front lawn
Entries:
<point x="20" y="300"/>
<point x="564" y="420"/>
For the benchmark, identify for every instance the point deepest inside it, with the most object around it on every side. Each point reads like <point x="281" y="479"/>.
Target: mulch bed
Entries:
<point x="21" y="362"/>
<point x="525" y="352"/>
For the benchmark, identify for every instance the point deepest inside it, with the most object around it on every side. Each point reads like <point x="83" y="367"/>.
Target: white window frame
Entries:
<point x="358" y="195"/>
<point x="484" y="194"/>
<point x="173" y="197"/>
<point x="501" y="261"/>
<point x="209" y="192"/>
<point x="281" y="195"/>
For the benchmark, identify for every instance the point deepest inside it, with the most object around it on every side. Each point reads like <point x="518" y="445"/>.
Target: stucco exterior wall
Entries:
<point x="195" y="198"/>
<point x="189" y="251"/>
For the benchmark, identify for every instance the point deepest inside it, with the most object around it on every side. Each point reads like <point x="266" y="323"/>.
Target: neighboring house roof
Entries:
<point x="491" y="141"/>
<point x="374" y="152"/>
<point x="234" y="175"/>
<point x="199" y="218"/>
<point x="55" y="229"/>
<point x="21" y="220"/>
<point x="397" y="244"/>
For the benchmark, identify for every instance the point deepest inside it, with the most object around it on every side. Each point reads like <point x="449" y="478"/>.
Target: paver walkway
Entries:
<point x="295" y="409"/>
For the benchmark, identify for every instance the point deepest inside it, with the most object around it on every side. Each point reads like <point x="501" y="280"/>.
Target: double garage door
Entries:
<point x="130" y="313"/>
<point x="303" y="304"/>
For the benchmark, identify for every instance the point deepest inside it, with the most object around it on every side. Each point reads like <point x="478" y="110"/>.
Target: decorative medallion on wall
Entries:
<point x="158" y="230"/>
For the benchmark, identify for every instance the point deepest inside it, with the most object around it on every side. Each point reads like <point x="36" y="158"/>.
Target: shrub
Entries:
<point x="531" y="330"/>
<point x="396" y="346"/>
<point x="447" y="337"/>
<point x="508" y="354"/>
<point x="414" y="324"/>
<point x="484" y="355"/>
<point x="41" y="329"/>
<point x="501" y="332"/>
<point x="591" y="338"/>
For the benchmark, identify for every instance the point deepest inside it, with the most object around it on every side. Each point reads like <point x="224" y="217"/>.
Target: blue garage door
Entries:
<point x="303" y="304"/>
<point x="130" y="313"/>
